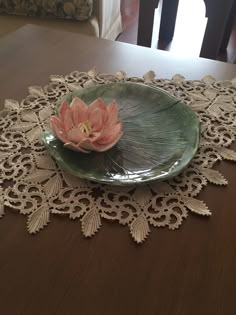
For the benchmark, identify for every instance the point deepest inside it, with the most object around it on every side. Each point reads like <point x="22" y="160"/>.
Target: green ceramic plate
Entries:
<point x="161" y="136"/>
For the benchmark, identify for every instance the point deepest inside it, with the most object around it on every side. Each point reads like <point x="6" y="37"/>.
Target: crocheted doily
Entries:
<point x="33" y="184"/>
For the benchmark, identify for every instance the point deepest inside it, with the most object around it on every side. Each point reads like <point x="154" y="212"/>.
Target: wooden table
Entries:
<point x="188" y="271"/>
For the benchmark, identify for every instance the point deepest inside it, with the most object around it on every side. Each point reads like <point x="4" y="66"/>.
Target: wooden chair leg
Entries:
<point x="228" y="28"/>
<point x="145" y="23"/>
<point x="217" y="13"/>
<point x="168" y="19"/>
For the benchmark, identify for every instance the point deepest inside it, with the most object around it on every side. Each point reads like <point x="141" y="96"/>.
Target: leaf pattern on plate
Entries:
<point x="161" y="136"/>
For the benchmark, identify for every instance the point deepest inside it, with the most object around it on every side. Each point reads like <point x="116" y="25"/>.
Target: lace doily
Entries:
<point x="33" y="184"/>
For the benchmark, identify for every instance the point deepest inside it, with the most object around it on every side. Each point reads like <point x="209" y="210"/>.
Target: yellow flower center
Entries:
<point x="86" y="127"/>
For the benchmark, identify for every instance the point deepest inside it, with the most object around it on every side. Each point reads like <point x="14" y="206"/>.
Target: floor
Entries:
<point x="186" y="40"/>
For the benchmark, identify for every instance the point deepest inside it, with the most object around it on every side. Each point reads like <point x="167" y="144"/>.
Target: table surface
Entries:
<point x="188" y="271"/>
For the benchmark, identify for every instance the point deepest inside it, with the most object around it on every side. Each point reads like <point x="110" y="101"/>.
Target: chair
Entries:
<point x="219" y="13"/>
<point x="104" y="21"/>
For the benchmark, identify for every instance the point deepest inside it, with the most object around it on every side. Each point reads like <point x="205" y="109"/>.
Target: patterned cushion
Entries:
<point x="68" y="9"/>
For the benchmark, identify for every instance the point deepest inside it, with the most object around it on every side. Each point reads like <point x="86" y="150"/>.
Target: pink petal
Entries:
<point x="105" y="147"/>
<point x="112" y="110"/>
<point x="94" y="146"/>
<point x="74" y="147"/>
<point x="68" y="120"/>
<point x="79" y="111"/>
<point x="95" y="117"/>
<point x="78" y="102"/>
<point x="95" y="136"/>
<point x="75" y="135"/>
<point x="58" y="128"/>
<point x="63" y="108"/>
<point x="109" y="134"/>
<point x="87" y="145"/>
<point x="98" y="103"/>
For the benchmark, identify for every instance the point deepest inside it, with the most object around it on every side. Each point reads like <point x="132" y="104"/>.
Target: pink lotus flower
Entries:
<point x="87" y="128"/>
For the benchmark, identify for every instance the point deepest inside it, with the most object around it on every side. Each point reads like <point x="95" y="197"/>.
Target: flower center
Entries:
<point x="86" y="128"/>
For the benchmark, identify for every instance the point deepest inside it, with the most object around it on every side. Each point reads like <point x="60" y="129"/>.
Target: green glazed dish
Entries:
<point x="161" y="136"/>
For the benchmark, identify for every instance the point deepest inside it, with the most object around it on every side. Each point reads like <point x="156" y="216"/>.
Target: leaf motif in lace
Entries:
<point x="32" y="183"/>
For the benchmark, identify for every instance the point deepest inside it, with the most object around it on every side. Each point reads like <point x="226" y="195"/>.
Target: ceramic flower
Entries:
<point x="87" y="128"/>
